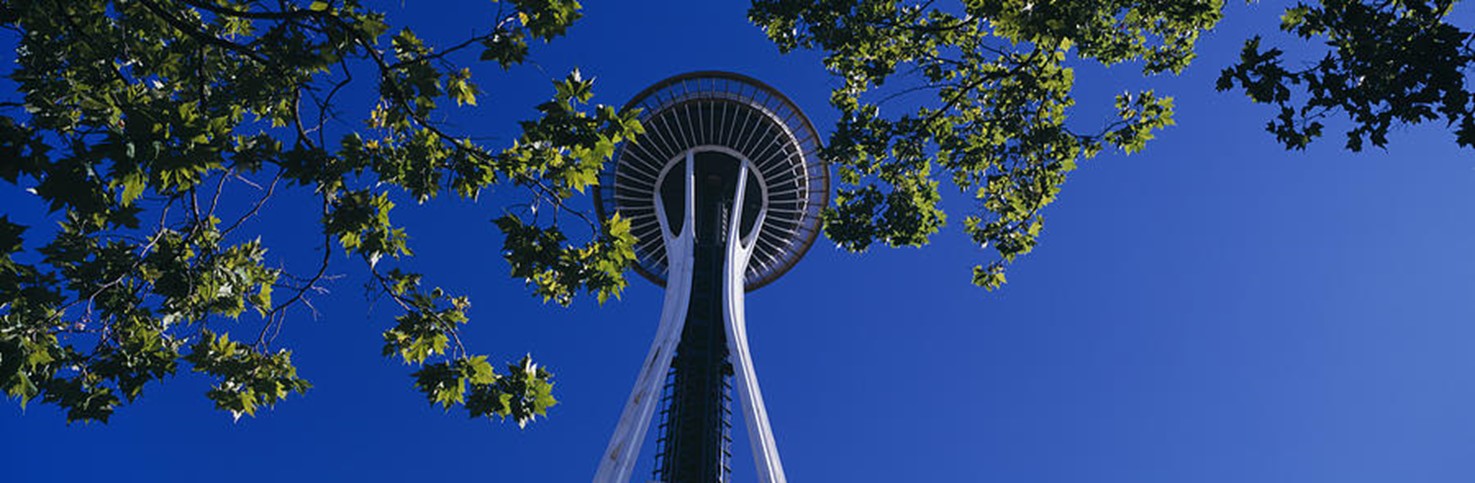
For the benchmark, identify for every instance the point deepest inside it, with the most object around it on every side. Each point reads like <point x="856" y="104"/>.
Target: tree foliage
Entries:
<point x="134" y="118"/>
<point x="996" y="88"/>
<point x="1386" y="64"/>
<point x="986" y="89"/>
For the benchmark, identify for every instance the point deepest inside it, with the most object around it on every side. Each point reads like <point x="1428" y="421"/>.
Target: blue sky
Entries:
<point x="1215" y="309"/>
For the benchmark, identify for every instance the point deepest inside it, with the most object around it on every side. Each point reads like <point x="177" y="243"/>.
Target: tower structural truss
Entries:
<point x="723" y="192"/>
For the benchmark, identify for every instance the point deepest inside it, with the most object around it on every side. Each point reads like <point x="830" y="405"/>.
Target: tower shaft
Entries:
<point x="696" y="440"/>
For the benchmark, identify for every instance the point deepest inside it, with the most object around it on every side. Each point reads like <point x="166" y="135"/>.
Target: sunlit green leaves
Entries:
<point x="247" y="379"/>
<point x="1141" y="115"/>
<point x="460" y="88"/>
<point x="160" y="130"/>
<point x="522" y="394"/>
<point x="989" y="277"/>
<point x="359" y="220"/>
<point x="27" y="359"/>
<point x="427" y="326"/>
<point x="563" y="151"/>
<point x="197" y="277"/>
<point x="993" y="88"/>
<point x="427" y="331"/>
<point x="144" y="353"/>
<point x="445" y="383"/>
<point x="546" y="19"/>
<point x="530" y="391"/>
<point x="561" y="154"/>
<point x="558" y="271"/>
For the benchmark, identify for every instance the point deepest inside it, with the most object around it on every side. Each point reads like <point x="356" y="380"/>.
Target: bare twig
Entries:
<point x="255" y="208"/>
<point x="276" y="312"/>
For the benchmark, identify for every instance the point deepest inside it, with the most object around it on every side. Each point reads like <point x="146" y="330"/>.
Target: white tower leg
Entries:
<point x="760" y="433"/>
<point x="624" y="446"/>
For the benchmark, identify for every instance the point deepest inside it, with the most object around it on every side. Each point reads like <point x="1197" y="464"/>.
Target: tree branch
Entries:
<point x="202" y="36"/>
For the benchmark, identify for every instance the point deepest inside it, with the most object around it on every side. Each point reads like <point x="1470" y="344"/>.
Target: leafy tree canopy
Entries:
<point x="995" y="82"/>
<point x="134" y="119"/>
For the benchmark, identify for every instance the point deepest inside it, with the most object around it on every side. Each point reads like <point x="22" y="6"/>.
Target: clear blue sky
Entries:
<point x="1212" y="310"/>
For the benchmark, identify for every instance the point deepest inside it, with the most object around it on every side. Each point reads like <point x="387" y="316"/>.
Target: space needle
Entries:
<point x="723" y="192"/>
